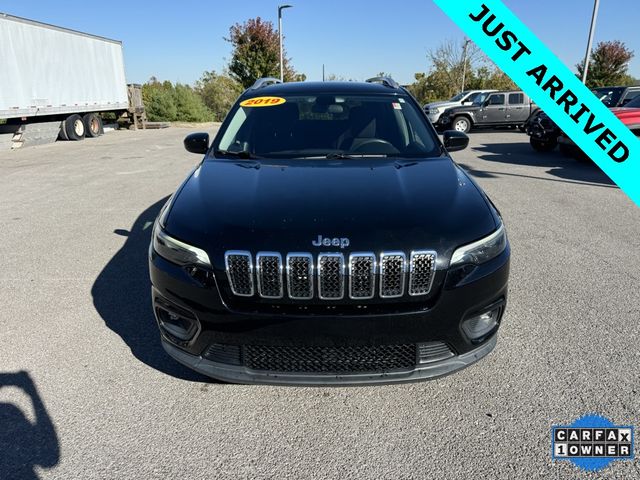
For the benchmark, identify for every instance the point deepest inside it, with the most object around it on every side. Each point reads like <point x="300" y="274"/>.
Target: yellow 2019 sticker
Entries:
<point x="262" y="102"/>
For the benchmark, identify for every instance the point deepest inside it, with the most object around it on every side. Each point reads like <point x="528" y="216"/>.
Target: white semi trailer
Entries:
<point x="61" y="77"/>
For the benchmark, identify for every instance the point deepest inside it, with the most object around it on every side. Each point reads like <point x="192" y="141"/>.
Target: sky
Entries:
<point x="179" y="40"/>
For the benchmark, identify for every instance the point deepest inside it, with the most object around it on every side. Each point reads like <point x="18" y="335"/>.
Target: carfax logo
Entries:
<point x="592" y="442"/>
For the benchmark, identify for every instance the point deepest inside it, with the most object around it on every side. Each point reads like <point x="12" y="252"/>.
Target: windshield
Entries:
<point x="609" y="96"/>
<point x="459" y="97"/>
<point x="479" y="100"/>
<point x="295" y="126"/>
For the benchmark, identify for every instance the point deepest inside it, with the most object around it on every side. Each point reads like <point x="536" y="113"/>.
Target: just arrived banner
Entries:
<point x="553" y="87"/>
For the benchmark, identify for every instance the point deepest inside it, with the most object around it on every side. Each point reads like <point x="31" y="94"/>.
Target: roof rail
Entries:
<point x="386" y="81"/>
<point x="263" y="82"/>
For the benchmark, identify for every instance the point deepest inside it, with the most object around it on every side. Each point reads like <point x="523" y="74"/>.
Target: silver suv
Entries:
<point x="435" y="109"/>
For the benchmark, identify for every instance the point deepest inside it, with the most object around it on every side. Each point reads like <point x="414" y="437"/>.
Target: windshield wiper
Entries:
<point x="240" y="154"/>
<point x="338" y="156"/>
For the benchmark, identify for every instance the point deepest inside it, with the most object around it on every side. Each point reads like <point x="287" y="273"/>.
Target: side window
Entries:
<point x="631" y="94"/>
<point x="496" y="99"/>
<point x="516" y="98"/>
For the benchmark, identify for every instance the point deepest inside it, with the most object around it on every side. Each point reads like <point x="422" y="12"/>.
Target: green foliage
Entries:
<point x="165" y="102"/>
<point x="608" y="65"/>
<point x="256" y="53"/>
<point x="218" y="92"/>
<point x="448" y="62"/>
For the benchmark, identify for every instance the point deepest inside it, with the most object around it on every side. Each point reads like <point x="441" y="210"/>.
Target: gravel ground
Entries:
<point x="98" y="398"/>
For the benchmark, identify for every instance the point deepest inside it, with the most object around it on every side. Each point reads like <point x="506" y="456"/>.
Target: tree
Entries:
<point x="218" y="92"/>
<point x="609" y="65"/>
<point x="446" y="65"/>
<point x="165" y="102"/>
<point x="256" y="53"/>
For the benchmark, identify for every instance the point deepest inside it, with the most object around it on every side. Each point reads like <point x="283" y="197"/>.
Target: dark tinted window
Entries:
<point x="635" y="103"/>
<point x="319" y="125"/>
<point x="496" y="99"/>
<point x="516" y="98"/>
<point x="609" y="96"/>
<point x="630" y="95"/>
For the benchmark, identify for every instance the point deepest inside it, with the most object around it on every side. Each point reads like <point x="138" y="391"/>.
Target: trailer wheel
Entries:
<point x="92" y="125"/>
<point x="63" y="133"/>
<point x="74" y="127"/>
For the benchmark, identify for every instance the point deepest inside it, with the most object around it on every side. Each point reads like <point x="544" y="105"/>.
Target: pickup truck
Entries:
<point x="435" y="109"/>
<point x="511" y="108"/>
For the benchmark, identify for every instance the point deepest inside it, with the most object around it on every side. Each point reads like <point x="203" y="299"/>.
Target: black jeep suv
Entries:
<point x="328" y="237"/>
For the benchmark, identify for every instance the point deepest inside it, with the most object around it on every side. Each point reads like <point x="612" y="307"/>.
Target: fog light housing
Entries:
<point x="177" y="324"/>
<point x="479" y="326"/>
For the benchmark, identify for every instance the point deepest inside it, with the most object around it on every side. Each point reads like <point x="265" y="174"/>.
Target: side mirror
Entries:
<point x="454" y="140"/>
<point x="197" y="142"/>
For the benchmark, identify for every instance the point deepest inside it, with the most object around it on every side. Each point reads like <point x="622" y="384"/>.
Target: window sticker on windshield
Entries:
<point x="262" y="102"/>
<point x="401" y="100"/>
<point x="397" y="106"/>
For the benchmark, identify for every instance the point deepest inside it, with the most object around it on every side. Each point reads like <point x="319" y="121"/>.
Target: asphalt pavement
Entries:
<point x="87" y="392"/>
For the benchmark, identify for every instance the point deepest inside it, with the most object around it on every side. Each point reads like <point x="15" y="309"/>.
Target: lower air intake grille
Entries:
<point x="330" y="359"/>
<point x="433" y="352"/>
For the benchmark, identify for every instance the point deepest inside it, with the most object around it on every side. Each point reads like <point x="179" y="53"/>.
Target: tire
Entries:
<point x="540" y="146"/>
<point x="92" y="125"/>
<point x="461" y="124"/>
<point x="74" y="127"/>
<point x="566" y="150"/>
<point x="63" y="133"/>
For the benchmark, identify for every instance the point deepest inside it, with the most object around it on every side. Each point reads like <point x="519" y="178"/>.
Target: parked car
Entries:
<point x="629" y="115"/>
<point x="510" y="108"/>
<point x="435" y="109"/>
<point x="544" y="133"/>
<point x="328" y="237"/>
<point x="616" y="96"/>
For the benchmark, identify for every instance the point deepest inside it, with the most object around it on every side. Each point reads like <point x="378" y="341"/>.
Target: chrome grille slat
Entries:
<point x="422" y="265"/>
<point x="239" y="272"/>
<point x="330" y="276"/>
<point x="269" y="274"/>
<point x="362" y="275"/>
<point x="390" y="275"/>
<point x="393" y="266"/>
<point x="300" y="276"/>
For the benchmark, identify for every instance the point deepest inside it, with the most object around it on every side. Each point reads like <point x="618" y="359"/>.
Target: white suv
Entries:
<point x="435" y="109"/>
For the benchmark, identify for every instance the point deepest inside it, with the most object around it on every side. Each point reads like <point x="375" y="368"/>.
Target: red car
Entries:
<point x="629" y="115"/>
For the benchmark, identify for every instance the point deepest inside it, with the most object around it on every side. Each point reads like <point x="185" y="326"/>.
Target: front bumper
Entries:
<point x="456" y="299"/>
<point x="241" y="374"/>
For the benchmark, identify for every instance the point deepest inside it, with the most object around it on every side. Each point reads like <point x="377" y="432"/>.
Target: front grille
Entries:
<point x="300" y="276"/>
<point x="362" y="275"/>
<point x="344" y="359"/>
<point x="269" y="274"/>
<point x="421" y="272"/>
<point x="239" y="272"/>
<point x="331" y="276"/>
<point x="392" y="273"/>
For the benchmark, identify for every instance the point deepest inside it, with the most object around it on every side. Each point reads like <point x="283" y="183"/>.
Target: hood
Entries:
<point x="463" y="108"/>
<point x="445" y="104"/>
<point x="378" y="204"/>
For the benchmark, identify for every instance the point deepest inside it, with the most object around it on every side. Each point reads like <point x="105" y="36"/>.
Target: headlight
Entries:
<point x="176" y="251"/>
<point x="483" y="250"/>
